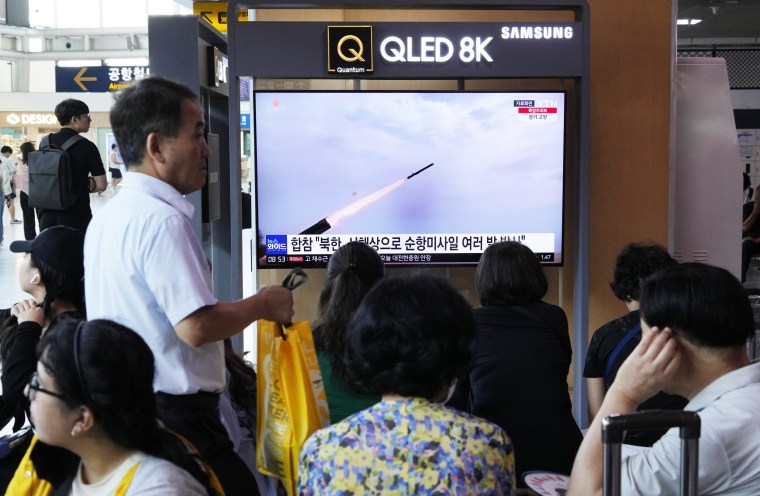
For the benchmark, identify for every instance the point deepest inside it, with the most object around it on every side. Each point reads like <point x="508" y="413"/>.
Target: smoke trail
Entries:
<point x="356" y="206"/>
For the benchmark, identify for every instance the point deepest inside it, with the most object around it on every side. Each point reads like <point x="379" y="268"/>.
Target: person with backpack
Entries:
<point x="612" y="343"/>
<point x="85" y="160"/>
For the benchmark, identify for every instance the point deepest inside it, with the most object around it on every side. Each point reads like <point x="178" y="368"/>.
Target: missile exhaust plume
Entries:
<point x="356" y="206"/>
<point x="353" y="208"/>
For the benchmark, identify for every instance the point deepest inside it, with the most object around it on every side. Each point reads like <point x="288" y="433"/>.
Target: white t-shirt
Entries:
<point x="154" y="477"/>
<point x="145" y="268"/>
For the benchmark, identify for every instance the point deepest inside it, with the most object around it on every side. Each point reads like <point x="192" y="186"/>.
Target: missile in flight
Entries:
<point x="318" y="228"/>
<point x="334" y="219"/>
<point x="415" y="173"/>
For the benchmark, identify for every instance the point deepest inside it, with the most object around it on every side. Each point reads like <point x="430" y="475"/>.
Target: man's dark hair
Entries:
<point x="634" y="263"/>
<point x="705" y="305"/>
<point x="509" y="273"/>
<point x="6" y="149"/>
<point x="68" y="109"/>
<point x="151" y="105"/>
<point x="410" y="336"/>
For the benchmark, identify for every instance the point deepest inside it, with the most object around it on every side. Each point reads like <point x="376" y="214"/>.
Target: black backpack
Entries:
<point x="51" y="176"/>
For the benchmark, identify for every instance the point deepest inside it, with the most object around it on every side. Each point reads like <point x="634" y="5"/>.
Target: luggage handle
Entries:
<point x="614" y="427"/>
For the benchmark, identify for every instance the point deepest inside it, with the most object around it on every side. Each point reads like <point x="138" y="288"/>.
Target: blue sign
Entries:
<point x="277" y="244"/>
<point x="98" y="78"/>
<point x="245" y="121"/>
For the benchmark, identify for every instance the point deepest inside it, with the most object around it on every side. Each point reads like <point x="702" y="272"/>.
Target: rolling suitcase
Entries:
<point x="614" y="427"/>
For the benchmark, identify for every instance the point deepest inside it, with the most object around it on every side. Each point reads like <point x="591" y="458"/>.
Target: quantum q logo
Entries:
<point x="349" y="49"/>
<point x="355" y="52"/>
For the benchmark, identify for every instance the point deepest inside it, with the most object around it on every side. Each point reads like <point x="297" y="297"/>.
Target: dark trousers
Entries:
<point x="77" y="220"/>
<point x="30" y="229"/>
<point x="197" y="418"/>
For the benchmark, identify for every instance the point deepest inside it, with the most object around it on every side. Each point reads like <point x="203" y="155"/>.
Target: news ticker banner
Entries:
<point x="280" y="246"/>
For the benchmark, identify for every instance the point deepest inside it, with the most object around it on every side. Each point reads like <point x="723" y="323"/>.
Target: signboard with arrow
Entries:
<point x="215" y="13"/>
<point x="97" y="78"/>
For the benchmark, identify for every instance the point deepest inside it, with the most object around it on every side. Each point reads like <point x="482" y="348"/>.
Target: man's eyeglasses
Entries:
<point x="34" y="385"/>
<point x="86" y="116"/>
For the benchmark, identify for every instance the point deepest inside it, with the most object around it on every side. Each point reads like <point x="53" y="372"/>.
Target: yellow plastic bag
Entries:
<point x="291" y="399"/>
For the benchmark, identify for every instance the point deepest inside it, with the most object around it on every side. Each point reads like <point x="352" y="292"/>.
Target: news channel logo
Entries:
<point x="276" y="244"/>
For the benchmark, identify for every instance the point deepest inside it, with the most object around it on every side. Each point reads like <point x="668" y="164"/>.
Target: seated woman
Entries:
<point x="50" y="269"/>
<point x="92" y="395"/>
<point x="521" y="357"/>
<point x="407" y="342"/>
<point x="612" y="343"/>
<point x="351" y="272"/>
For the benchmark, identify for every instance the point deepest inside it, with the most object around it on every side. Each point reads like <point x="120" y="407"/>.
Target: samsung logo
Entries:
<point x="537" y="32"/>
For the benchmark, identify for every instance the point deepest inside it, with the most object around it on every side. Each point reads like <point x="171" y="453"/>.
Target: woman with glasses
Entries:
<point x="50" y="269"/>
<point x="92" y="396"/>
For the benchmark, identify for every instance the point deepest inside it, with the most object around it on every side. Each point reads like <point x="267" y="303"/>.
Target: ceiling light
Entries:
<point x="688" y="22"/>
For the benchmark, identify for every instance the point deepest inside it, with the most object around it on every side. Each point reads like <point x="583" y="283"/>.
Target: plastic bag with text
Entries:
<point x="291" y="402"/>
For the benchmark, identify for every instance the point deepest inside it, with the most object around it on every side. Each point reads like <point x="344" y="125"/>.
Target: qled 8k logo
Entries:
<point x="277" y="244"/>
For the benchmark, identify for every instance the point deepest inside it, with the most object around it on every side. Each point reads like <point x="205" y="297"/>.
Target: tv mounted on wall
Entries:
<point x="426" y="178"/>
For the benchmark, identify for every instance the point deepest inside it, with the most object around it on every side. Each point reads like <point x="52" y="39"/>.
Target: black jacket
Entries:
<point x="518" y="380"/>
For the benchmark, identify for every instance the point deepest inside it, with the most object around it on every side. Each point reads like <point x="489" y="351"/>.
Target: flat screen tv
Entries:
<point x="426" y="178"/>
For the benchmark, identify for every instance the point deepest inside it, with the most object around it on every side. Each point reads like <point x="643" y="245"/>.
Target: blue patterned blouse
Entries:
<point x="409" y="446"/>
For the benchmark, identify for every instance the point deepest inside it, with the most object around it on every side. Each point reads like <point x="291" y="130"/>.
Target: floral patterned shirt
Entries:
<point x="409" y="446"/>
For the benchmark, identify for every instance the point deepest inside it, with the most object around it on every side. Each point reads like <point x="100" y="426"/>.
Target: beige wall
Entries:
<point x="631" y="67"/>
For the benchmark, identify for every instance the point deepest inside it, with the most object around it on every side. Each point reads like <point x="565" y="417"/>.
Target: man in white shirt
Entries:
<point x="146" y="269"/>
<point x="695" y="321"/>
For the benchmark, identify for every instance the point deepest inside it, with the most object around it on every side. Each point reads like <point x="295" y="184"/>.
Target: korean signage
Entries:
<point x="98" y="79"/>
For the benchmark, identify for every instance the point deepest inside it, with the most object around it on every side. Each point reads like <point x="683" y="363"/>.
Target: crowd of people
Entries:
<point x="133" y="388"/>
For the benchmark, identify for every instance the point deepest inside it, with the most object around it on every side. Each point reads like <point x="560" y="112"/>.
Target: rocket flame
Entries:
<point x="356" y="206"/>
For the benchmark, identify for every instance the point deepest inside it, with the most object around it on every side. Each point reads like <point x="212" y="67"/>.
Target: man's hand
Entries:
<point x="648" y="368"/>
<point x="225" y="319"/>
<point x="278" y="303"/>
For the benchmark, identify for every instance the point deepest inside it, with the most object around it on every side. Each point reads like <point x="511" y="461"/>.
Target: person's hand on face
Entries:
<point x="28" y="311"/>
<point x="649" y="367"/>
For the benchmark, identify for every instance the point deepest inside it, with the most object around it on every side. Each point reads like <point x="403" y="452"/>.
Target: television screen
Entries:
<point x="426" y="178"/>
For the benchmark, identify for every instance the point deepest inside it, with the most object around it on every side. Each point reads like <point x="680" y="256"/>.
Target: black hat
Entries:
<point x="60" y="247"/>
